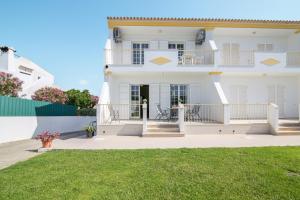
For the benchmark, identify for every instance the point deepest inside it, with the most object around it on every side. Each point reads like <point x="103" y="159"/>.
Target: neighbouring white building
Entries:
<point x="231" y="75"/>
<point x="33" y="76"/>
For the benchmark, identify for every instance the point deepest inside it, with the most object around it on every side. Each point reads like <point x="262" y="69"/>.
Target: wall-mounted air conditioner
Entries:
<point x="200" y="37"/>
<point x="117" y="35"/>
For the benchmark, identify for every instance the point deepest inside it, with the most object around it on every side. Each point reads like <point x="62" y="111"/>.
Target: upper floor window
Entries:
<point x="25" y="70"/>
<point x="179" y="46"/>
<point x="138" y="52"/>
<point x="265" y="47"/>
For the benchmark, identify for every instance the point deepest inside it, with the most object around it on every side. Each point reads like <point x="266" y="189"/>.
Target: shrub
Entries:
<point x="81" y="99"/>
<point x="50" y="94"/>
<point x="9" y="85"/>
<point x="86" y="112"/>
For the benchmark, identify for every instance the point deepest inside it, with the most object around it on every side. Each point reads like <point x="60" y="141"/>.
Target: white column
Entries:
<point x="273" y="117"/>
<point x="299" y="112"/>
<point x="144" y="116"/>
<point x="226" y="114"/>
<point x="181" y="117"/>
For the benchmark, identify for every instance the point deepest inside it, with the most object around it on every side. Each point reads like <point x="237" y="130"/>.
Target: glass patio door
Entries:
<point x="178" y="93"/>
<point x="135" y="101"/>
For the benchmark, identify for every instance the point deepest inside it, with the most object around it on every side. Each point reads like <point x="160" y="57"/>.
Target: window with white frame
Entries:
<point x="178" y="93"/>
<point x="265" y="47"/>
<point x="138" y="52"/>
<point x="179" y="46"/>
<point x="135" y="101"/>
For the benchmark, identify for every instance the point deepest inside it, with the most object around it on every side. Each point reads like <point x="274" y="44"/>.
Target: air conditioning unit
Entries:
<point x="117" y="35"/>
<point x="200" y="37"/>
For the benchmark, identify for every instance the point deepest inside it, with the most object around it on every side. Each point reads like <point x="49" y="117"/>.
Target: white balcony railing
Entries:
<point x="181" y="57"/>
<point x="115" y="113"/>
<point x="200" y="57"/>
<point x="244" y="58"/>
<point x="204" y="113"/>
<point x="293" y="58"/>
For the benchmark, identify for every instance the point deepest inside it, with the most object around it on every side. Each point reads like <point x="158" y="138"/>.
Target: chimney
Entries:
<point x="7" y="58"/>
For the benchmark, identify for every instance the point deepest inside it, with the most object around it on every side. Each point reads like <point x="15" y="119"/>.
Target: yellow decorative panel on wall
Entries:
<point x="160" y="60"/>
<point x="215" y="73"/>
<point x="270" y="61"/>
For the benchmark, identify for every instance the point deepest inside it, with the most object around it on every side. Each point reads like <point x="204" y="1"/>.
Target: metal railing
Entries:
<point x="115" y="113"/>
<point x="248" y="111"/>
<point x="204" y="113"/>
<point x="184" y="57"/>
<point x="244" y="58"/>
<point x="293" y="58"/>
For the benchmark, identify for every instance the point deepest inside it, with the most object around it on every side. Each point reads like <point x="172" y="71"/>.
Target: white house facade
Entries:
<point x="33" y="76"/>
<point x="228" y="75"/>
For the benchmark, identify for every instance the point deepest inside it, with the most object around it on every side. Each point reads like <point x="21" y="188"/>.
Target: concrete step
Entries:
<point x="163" y="134"/>
<point x="291" y="128"/>
<point x="288" y="132"/>
<point x="176" y="129"/>
<point x="162" y="126"/>
<point x="289" y="124"/>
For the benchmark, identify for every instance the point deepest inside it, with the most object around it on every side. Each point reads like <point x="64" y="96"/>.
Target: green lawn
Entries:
<point x="243" y="173"/>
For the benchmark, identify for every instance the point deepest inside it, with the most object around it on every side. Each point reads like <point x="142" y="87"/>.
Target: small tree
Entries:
<point x="50" y="94"/>
<point x="9" y="85"/>
<point x="81" y="99"/>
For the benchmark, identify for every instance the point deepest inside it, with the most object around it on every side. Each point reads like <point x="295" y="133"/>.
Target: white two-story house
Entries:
<point x="33" y="76"/>
<point x="245" y="64"/>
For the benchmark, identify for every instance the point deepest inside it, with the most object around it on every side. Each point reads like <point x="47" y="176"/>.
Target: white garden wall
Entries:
<point x="20" y="128"/>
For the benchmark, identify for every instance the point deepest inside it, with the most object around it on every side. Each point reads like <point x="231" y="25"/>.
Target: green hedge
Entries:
<point x="86" y="112"/>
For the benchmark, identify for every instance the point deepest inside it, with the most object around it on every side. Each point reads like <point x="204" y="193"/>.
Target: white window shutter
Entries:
<point x="126" y="55"/>
<point x="165" y="95"/>
<point x="124" y="109"/>
<point x="153" y="100"/>
<point x="153" y="45"/>
<point x="163" y="45"/>
<point x="195" y="93"/>
<point x="190" y="45"/>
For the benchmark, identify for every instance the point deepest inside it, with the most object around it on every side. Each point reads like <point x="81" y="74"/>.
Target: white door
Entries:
<point x="276" y="94"/>
<point x="153" y="100"/>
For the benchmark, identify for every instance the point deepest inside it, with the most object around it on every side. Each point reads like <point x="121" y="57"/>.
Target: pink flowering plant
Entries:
<point x="47" y="137"/>
<point x="94" y="100"/>
<point x="50" y="94"/>
<point x="9" y="85"/>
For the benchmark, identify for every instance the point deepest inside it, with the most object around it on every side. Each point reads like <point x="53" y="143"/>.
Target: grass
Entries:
<point x="242" y="173"/>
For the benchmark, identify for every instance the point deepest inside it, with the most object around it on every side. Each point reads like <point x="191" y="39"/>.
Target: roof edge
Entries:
<point x="202" y="22"/>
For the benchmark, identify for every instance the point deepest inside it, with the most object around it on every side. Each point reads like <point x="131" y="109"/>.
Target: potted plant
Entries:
<point x="46" y="138"/>
<point x="90" y="130"/>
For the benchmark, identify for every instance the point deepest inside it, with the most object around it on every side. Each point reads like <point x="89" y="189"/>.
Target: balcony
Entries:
<point x="159" y="57"/>
<point x="198" y="58"/>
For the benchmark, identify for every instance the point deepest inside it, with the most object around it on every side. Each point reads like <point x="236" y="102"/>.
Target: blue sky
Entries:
<point x="67" y="37"/>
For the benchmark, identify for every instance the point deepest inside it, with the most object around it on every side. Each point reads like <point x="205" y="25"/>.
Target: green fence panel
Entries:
<point x="12" y="106"/>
